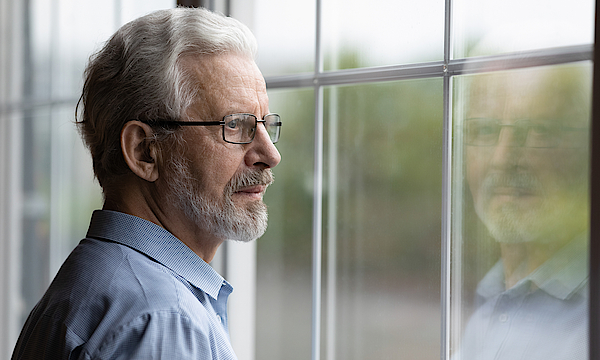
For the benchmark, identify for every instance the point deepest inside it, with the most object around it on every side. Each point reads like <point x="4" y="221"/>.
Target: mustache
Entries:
<point x="523" y="181"/>
<point x="248" y="178"/>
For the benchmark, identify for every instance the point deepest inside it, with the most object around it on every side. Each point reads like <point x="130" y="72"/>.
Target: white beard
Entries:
<point x="560" y="212"/>
<point x="221" y="217"/>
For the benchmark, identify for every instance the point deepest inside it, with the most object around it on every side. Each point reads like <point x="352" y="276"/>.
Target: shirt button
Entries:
<point x="219" y="318"/>
<point x="503" y="318"/>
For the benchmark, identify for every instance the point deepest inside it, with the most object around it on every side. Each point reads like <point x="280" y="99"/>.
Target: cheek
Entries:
<point x="477" y="164"/>
<point x="213" y="162"/>
<point x="217" y="170"/>
<point x="564" y="167"/>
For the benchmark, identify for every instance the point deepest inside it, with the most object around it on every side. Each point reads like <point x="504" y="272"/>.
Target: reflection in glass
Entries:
<point x="524" y="205"/>
<point x="383" y="145"/>
<point x="527" y="133"/>
<point x="284" y="287"/>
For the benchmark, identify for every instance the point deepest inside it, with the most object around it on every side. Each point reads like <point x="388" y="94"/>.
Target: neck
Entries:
<point x="142" y="199"/>
<point x="520" y="260"/>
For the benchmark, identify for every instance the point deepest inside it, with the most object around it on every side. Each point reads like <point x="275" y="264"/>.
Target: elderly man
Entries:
<point x="175" y="114"/>
<point x="526" y="146"/>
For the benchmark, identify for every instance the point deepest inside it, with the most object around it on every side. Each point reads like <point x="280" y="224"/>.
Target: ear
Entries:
<point x="139" y="151"/>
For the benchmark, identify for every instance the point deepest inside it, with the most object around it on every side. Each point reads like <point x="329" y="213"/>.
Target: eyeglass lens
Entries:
<point x="241" y="128"/>
<point x="273" y="125"/>
<point x="486" y="132"/>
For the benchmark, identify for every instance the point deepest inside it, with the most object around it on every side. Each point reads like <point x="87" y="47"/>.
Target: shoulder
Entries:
<point x="122" y="282"/>
<point x="160" y="334"/>
<point x="106" y="273"/>
<point x="106" y="290"/>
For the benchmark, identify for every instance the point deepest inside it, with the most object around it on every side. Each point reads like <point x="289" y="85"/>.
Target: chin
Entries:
<point x="514" y="223"/>
<point x="508" y="226"/>
<point x="248" y="234"/>
<point x="244" y="224"/>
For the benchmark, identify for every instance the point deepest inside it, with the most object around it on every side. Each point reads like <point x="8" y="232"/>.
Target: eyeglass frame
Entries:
<point x="528" y="124"/>
<point x="223" y="123"/>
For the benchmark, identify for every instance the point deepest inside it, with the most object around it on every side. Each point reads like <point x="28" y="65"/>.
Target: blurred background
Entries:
<point x="366" y="147"/>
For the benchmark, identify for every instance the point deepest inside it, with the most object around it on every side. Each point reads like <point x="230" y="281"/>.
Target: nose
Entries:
<point x="509" y="149"/>
<point x="262" y="152"/>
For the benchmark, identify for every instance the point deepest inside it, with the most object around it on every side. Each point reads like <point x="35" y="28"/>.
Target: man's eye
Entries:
<point x="232" y="124"/>
<point x="483" y="128"/>
<point x="541" y="129"/>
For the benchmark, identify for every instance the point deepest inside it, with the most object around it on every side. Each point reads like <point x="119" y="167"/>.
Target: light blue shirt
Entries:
<point x="543" y="317"/>
<point x="130" y="290"/>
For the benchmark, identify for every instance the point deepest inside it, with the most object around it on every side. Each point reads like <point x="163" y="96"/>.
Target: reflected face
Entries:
<point x="526" y="151"/>
<point x="218" y="185"/>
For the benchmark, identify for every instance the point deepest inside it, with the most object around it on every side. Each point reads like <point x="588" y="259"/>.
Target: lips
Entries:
<point x="253" y="181"/>
<point x="255" y="192"/>
<point x="512" y="191"/>
<point x="257" y="189"/>
<point x="517" y="185"/>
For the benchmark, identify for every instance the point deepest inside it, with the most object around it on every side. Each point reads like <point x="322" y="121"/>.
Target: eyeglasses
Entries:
<point x="486" y="132"/>
<point x="237" y="128"/>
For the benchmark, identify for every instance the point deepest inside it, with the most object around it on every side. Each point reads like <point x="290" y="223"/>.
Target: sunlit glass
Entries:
<point x="486" y="132"/>
<point x="237" y="128"/>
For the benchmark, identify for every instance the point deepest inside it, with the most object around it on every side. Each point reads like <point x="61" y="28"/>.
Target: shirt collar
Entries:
<point x="563" y="274"/>
<point x="158" y="244"/>
<point x="560" y="276"/>
<point x="493" y="282"/>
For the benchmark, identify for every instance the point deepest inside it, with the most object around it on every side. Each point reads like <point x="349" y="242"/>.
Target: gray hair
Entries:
<point x="138" y="75"/>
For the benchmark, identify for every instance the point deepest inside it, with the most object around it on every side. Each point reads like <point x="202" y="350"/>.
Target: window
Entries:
<point x="520" y="250"/>
<point x="434" y="174"/>
<point x="411" y="107"/>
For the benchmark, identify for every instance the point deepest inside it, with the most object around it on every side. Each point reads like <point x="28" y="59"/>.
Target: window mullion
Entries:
<point x="446" y="187"/>
<point x="594" y="255"/>
<point x="317" y="195"/>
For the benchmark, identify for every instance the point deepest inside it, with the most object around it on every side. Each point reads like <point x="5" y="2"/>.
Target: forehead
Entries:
<point x="547" y="93"/>
<point x="226" y="83"/>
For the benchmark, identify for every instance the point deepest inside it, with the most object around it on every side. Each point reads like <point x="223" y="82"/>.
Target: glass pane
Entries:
<point x="383" y="191"/>
<point x="485" y="27"/>
<point x="37" y="49"/>
<point x="74" y="193"/>
<point x="284" y="289"/>
<point x="59" y="195"/>
<point x="520" y="214"/>
<point x="385" y="32"/>
<point x="35" y="186"/>
<point x="59" y="191"/>
<point x="285" y="31"/>
<point x="78" y="29"/>
<point x="132" y="9"/>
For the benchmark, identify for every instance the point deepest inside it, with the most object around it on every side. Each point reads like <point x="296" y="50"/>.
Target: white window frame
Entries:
<point x="10" y="172"/>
